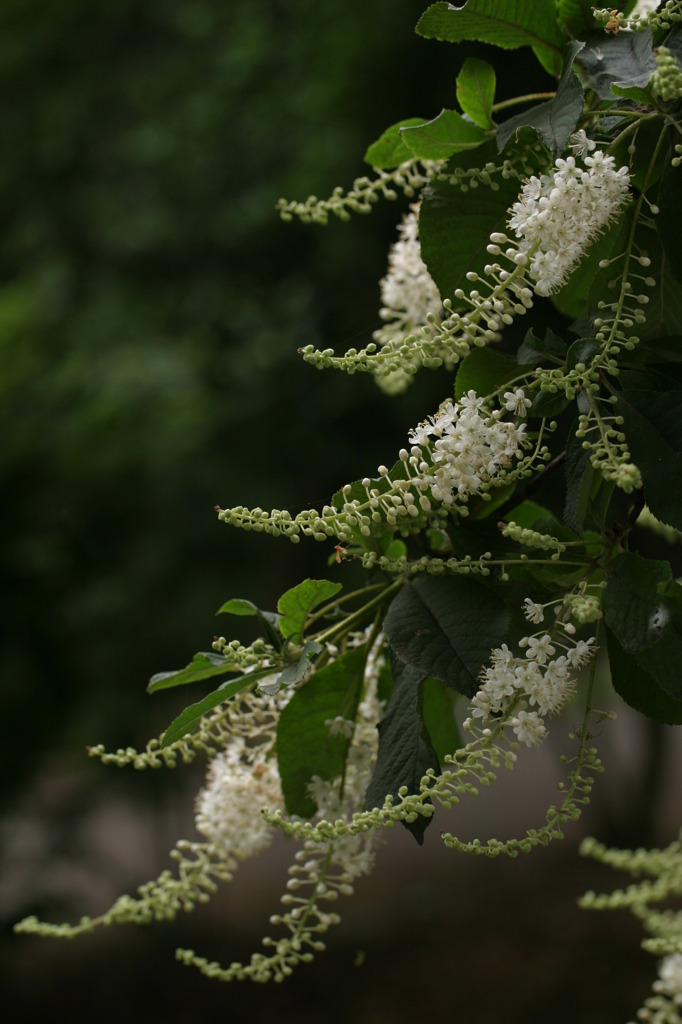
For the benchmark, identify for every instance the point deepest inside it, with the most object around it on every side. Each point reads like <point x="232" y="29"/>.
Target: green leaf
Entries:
<point x="633" y="608"/>
<point x="576" y="17"/>
<point x="390" y="150"/>
<point x="631" y="92"/>
<point x="242" y="607"/>
<point x="438" y="712"/>
<point x="483" y="370"/>
<point x="663" y="659"/>
<point x="295" y="605"/>
<point x="187" y="721"/>
<point x="455" y="226"/>
<point x="653" y="430"/>
<point x="582" y="351"/>
<point x="588" y="278"/>
<point x="445" y="627"/>
<point x="510" y="25"/>
<point x="581" y="480"/>
<point x="547" y="404"/>
<point x="204" y="665"/>
<point x="554" y="120"/>
<point x="446" y="134"/>
<point x="305" y="746"/>
<point x="637" y="688"/>
<point x="625" y="59"/>
<point x="296" y="671"/>
<point x="669" y="220"/>
<point x="405" y="750"/>
<point x="664" y="310"/>
<point x="476" y="91"/>
<point x="541" y="351"/>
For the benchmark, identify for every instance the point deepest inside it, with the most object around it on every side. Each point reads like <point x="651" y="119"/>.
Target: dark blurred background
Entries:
<point x="151" y="306"/>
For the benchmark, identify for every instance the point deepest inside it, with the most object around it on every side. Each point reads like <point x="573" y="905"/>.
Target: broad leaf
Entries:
<point x="445" y="627"/>
<point x="582" y="351"/>
<point x="306" y="742"/>
<point x="390" y="150"/>
<point x="662" y="660"/>
<point x="669" y="221"/>
<point x="625" y="59"/>
<point x="438" y="712"/>
<point x="296" y="671"/>
<point x="637" y="688"/>
<point x="204" y="665"/>
<point x="550" y="350"/>
<point x="405" y="749"/>
<point x="484" y="370"/>
<point x="510" y="25"/>
<point x="653" y="430"/>
<point x="588" y="278"/>
<point x="555" y="120"/>
<point x="445" y="135"/>
<point x="295" y="605"/>
<point x="576" y="16"/>
<point x="476" y="91"/>
<point x="455" y="226"/>
<point x="633" y="608"/>
<point x="242" y="607"/>
<point x="581" y="480"/>
<point x="188" y="719"/>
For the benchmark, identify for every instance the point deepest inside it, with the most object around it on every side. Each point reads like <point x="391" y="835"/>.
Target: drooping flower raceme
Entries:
<point x="559" y="215"/>
<point x="408" y="293"/>
<point x="528" y="689"/>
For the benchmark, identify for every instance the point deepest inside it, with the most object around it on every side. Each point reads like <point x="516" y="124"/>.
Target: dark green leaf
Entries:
<point x="582" y="351"/>
<point x="547" y="404"/>
<point x="669" y="221"/>
<point x="483" y="370"/>
<point x="664" y="310"/>
<point x="581" y="478"/>
<point x="588" y="278"/>
<point x="554" y="120"/>
<point x="663" y="659"/>
<point x="637" y="688"/>
<point x="445" y="627"/>
<point x="438" y="712"/>
<point x="631" y="92"/>
<point x="295" y="605"/>
<point x="297" y="671"/>
<point x="305" y="746"/>
<point x="187" y="721"/>
<point x="446" y="134"/>
<point x="405" y="750"/>
<point x="510" y="25"/>
<point x="240" y="606"/>
<point x="455" y="226"/>
<point x="541" y="351"/>
<point x="576" y="16"/>
<point x="204" y="665"/>
<point x="476" y="91"/>
<point x="389" y="150"/>
<point x="625" y="59"/>
<point x="633" y="608"/>
<point x="653" y="429"/>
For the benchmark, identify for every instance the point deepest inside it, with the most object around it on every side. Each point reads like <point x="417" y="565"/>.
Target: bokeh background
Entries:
<point x="151" y="306"/>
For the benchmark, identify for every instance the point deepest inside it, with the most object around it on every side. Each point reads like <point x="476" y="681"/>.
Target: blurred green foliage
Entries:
<point x="151" y="305"/>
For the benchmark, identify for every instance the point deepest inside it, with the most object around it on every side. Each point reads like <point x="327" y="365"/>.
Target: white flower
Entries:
<point x="529" y="728"/>
<point x="408" y="293"/>
<point x="517" y="402"/>
<point x="559" y="215"/>
<point x="340" y="726"/>
<point x="239" y="785"/>
<point x="540" y="648"/>
<point x="581" y="145"/>
<point x="533" y="611"/>
<point x="670" y="976"/>
<point x="581" y="653"/>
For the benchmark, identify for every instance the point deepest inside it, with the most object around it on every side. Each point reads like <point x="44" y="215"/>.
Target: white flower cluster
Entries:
<point x="459" y="450"/>
<point x="240" y="782"/>
<point x="540" y="681"/>
<point x="559" y="215"/>
<point x="408" y="293"/>
<point x="665" y="1007"/>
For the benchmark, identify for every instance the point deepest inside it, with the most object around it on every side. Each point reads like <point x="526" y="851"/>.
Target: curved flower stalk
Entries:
<point x="662" y="871"/>
<point x="517" y="693"/>
<point x="554" y="221"/>
<point x="408" y="178"/>
<point x="461" y="452"/>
